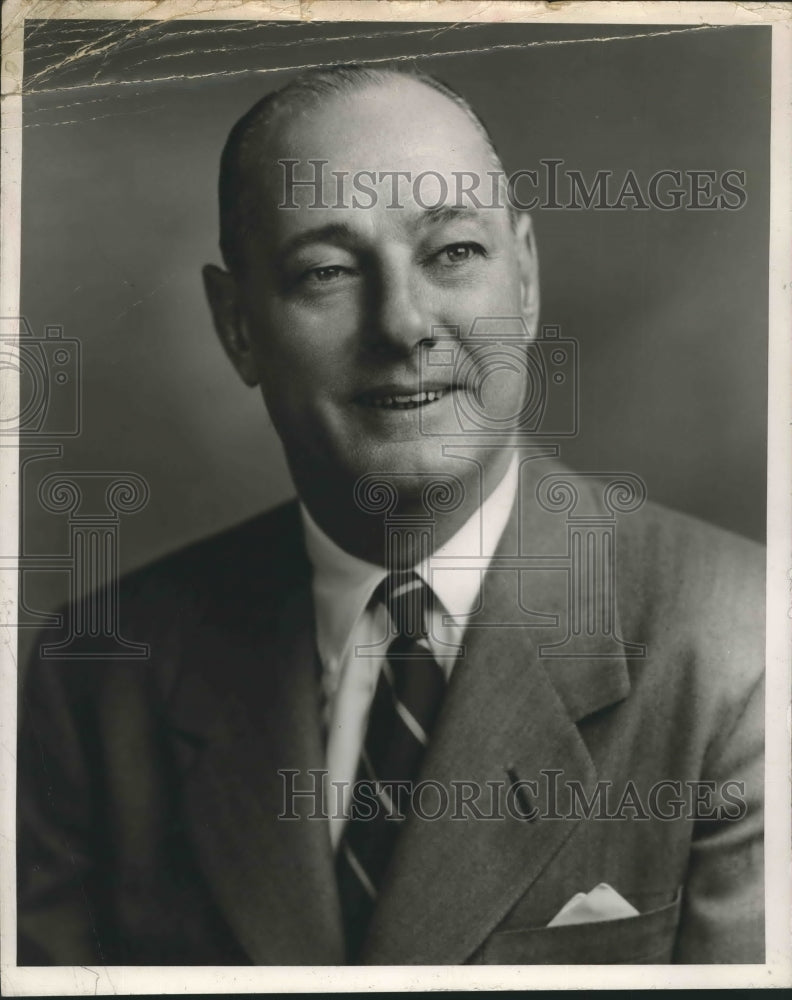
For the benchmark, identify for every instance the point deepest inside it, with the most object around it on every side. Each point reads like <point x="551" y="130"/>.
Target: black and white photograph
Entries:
<point x="395" y="441"/>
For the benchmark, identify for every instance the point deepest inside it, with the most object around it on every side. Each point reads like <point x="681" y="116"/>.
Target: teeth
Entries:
<point x="416" y="399"/>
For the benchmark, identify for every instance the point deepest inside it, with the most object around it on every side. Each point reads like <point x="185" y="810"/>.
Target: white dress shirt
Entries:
<point x="342" y="588"/>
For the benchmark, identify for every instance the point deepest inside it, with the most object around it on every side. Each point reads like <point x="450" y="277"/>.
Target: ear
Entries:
<point x="529" y="271"/>
<point x="229" y="321"/>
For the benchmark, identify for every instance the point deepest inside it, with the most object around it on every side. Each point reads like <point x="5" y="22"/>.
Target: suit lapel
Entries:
<point x="509" y="716"/>
<point x="250" y="708"/>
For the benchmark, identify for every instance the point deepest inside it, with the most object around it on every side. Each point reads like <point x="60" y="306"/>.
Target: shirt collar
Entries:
<point x="343" y="584"/>
<point x="342" y="587"/>
<point x="458" y="588"/>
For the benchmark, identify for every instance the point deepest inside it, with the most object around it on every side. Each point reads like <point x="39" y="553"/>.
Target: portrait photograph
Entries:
<point x="395" y="439"/>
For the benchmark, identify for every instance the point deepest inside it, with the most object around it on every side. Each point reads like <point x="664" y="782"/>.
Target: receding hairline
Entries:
<point x="264" y="125"/>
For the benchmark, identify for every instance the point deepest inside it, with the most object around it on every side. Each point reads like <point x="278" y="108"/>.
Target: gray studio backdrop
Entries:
<point x="123" y="127"/>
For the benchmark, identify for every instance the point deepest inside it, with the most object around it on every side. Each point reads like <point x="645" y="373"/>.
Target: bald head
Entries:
<point x="334" y="297"/>
<point x="257" y="139"/>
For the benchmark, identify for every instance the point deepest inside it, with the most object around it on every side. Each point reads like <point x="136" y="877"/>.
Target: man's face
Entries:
<point x="339" y="308"/>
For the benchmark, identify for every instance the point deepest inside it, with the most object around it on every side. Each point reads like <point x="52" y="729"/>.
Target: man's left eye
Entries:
<point x="460" y="253"/>
<point x="324" y="275"/>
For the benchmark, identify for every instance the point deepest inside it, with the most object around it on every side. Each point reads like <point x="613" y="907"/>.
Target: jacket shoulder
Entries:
<point x="262" y="544"/>
<point x="694" y="595"/>
<point x="678" y="558"/>
<point x="161" y="603"/>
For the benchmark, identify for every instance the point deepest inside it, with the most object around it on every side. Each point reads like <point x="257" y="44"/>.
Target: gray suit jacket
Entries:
<point x="150" y="792"/>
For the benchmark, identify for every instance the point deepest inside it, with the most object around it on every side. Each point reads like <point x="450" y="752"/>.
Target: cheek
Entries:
<point x="499" y="378"/>
<point x="301" y="346"/>
<point x="495" y="294"/>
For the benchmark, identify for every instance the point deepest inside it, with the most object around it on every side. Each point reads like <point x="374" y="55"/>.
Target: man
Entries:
<point x="445" y="611"/>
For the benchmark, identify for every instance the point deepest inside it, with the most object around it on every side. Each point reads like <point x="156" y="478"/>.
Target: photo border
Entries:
<point x="777" y="971"/>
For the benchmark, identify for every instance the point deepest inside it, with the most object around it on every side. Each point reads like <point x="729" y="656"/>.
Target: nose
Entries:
<point x="399" y="315"/>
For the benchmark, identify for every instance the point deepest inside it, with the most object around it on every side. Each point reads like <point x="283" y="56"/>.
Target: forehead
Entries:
<point x="400" y="125"/>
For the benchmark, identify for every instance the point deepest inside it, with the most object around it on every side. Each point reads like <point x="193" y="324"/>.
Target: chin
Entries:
<point x="417" y="477"/>
<point x="421" y="458"/>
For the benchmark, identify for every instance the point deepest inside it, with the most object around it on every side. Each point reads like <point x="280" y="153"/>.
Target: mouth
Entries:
<point x="388" y="399"/>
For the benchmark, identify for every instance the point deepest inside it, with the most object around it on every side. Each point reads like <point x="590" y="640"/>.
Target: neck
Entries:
<point x="394" y="525"/>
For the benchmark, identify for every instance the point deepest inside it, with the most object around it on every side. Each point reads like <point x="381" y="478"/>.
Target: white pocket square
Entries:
<point x="602" y="903"/>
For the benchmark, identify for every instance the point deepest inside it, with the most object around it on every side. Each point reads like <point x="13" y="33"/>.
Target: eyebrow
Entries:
<point x="333" y="232"/>
<point x="447" y="213"/>
<point x="342" y="233"/>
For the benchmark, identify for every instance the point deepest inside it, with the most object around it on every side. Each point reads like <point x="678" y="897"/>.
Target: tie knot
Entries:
<point x="407" y="599"/>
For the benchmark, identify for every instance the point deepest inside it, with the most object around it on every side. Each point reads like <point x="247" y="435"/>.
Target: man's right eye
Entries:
<point x="326" y="275"/>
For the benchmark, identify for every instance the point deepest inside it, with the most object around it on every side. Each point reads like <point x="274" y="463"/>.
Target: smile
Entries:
<point x="402" y="401"/>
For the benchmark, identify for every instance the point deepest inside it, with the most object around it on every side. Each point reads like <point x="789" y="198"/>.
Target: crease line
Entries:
<point x="506" y="46"/>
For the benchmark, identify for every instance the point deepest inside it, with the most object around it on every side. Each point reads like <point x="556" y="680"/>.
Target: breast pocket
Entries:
<point x="646" y="939"/>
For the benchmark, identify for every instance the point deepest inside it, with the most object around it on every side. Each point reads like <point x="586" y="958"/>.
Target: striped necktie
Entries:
<point x="406" y="703"/>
